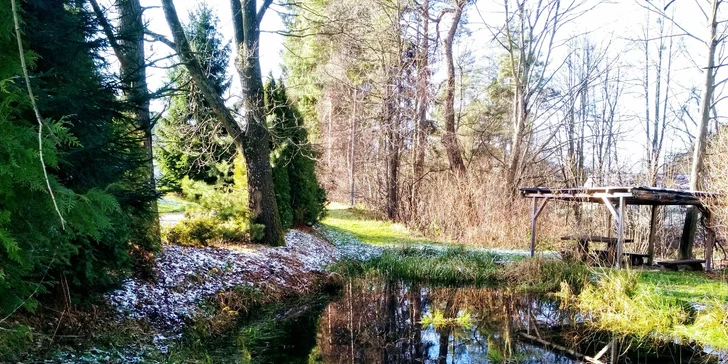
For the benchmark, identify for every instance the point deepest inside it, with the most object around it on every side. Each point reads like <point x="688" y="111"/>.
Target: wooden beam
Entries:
<point x="533" y="226"/>
<point x="557" y="347"/>
<point x="608" y="203"/>
<point x="540" y="208"/>
<point x="652" y="236"/>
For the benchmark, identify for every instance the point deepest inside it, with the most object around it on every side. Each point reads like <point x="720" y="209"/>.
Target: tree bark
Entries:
<point x="251" y="135"/>
<point x="423" y="74"/>
<point x="392" y="150"/>
<point x="691" y="218"/>
<point x="128" y="46"/>
<point x="449" y="138"/>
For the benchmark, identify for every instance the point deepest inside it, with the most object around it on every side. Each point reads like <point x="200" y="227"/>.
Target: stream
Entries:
<point x="378" y="321"/>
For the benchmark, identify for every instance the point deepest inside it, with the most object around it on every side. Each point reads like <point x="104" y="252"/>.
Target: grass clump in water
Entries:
<point x="538" y="276"/>
<point x="458" y="266"/>
<point x="452" y="266"/>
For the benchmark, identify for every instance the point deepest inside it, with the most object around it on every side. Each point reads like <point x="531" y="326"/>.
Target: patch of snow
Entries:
<point x="187" y="276"/>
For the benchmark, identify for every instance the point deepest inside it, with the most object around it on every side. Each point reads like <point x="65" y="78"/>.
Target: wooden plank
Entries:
<point x="620" y="234"/>
<point x="594" y="239"/>
<point x="693" y="264"/>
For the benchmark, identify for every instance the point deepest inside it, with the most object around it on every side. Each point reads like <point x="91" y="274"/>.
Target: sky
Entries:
<point x="613" y="24"/>
<point x="271" y="44"/>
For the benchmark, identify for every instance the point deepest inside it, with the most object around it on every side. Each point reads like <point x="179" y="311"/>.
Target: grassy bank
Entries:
<point x="368" y="229"/>
<point x="683" y="305"/>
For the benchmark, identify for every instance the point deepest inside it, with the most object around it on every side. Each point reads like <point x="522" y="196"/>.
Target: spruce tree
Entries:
<point x="299" y="196"/>
<point x="92" y="151"/>
<point x="193" y="143"/>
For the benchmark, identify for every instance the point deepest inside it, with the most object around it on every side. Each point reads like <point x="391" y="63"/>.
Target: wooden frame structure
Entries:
<point x="615" y="199"/>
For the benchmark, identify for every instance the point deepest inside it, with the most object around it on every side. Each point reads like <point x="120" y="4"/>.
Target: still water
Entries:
<point x="379" y="321"/>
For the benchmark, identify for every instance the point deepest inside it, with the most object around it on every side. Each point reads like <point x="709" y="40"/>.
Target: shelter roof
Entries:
<point x="633" y="195"/>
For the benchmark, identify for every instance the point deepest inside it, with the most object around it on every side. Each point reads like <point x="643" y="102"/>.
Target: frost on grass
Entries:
<point x="187" y="276"/>
<point x="349" y="246"/>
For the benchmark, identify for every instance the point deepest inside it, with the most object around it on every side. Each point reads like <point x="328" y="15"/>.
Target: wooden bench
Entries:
<point x="584" y="240"/>
<point x="692" y="264"/>
<point x="635" y="259"/>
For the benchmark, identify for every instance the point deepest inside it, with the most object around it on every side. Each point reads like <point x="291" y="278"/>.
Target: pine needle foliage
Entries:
<point x="193" y="141"/>
<point x="299" y="196"/>
<point x="92" y="154"/>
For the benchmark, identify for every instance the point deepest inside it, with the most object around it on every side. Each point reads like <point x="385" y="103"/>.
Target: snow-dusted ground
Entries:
<point x="187" y="276"/>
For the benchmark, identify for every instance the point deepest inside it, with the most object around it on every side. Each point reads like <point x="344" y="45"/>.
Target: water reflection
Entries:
<point x="381" y="321"/>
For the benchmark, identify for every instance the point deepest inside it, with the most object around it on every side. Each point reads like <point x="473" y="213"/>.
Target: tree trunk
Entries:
<point x="449" y="138"/>
<point x="519" y="126"/>
<point x="133" y="74"/>
<point x="352" y="152"/>
<point x="128" y="47"/>
<point x="691" y="218"/>
<point x="423" y="73"/>
<point x="262" y="196"/>
<point x="250" y="136"/>
<point x="391" y="121"/>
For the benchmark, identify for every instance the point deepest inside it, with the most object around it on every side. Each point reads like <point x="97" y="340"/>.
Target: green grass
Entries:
<point x="170" y="203"/>
<point x="690" y="287"/>
<point x="659" y="304"/>
<point x="368" y="229"/>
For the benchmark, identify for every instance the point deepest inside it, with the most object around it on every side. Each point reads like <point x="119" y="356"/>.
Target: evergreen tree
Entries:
<point x="194" y="144"/>
<point x="299" y="196"/>
<point x="93" y="153"/>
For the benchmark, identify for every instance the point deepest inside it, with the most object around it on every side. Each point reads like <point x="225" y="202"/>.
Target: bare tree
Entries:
<point x="449" y="136"/>
<point x="711" y="42"/>
<point x="528" y="36"/>
<point x="423" y="84"/>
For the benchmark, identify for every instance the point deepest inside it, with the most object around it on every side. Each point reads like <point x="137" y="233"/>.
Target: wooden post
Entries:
<point x="653" y="233"/>
<point x="533" y="227"/>
<point x="620" y="233"/>
<point x="709" y="240"/>
<point x="534" y="216"/>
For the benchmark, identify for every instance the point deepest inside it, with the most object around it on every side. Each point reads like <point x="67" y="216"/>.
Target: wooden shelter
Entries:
<point x="616" y="199"/>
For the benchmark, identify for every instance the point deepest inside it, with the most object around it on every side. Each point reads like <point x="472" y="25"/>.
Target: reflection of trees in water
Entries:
<point x="379" y="321"/>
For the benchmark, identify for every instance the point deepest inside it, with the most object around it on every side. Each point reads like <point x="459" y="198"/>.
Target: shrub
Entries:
<point x="94" y="160"/>
<point x="221" y="216"/>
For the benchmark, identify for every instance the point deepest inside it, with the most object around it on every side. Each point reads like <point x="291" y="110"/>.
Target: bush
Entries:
<point x="222" y="215"/>
<point x="94" y="159"/>
<point x="200" y="229"/>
